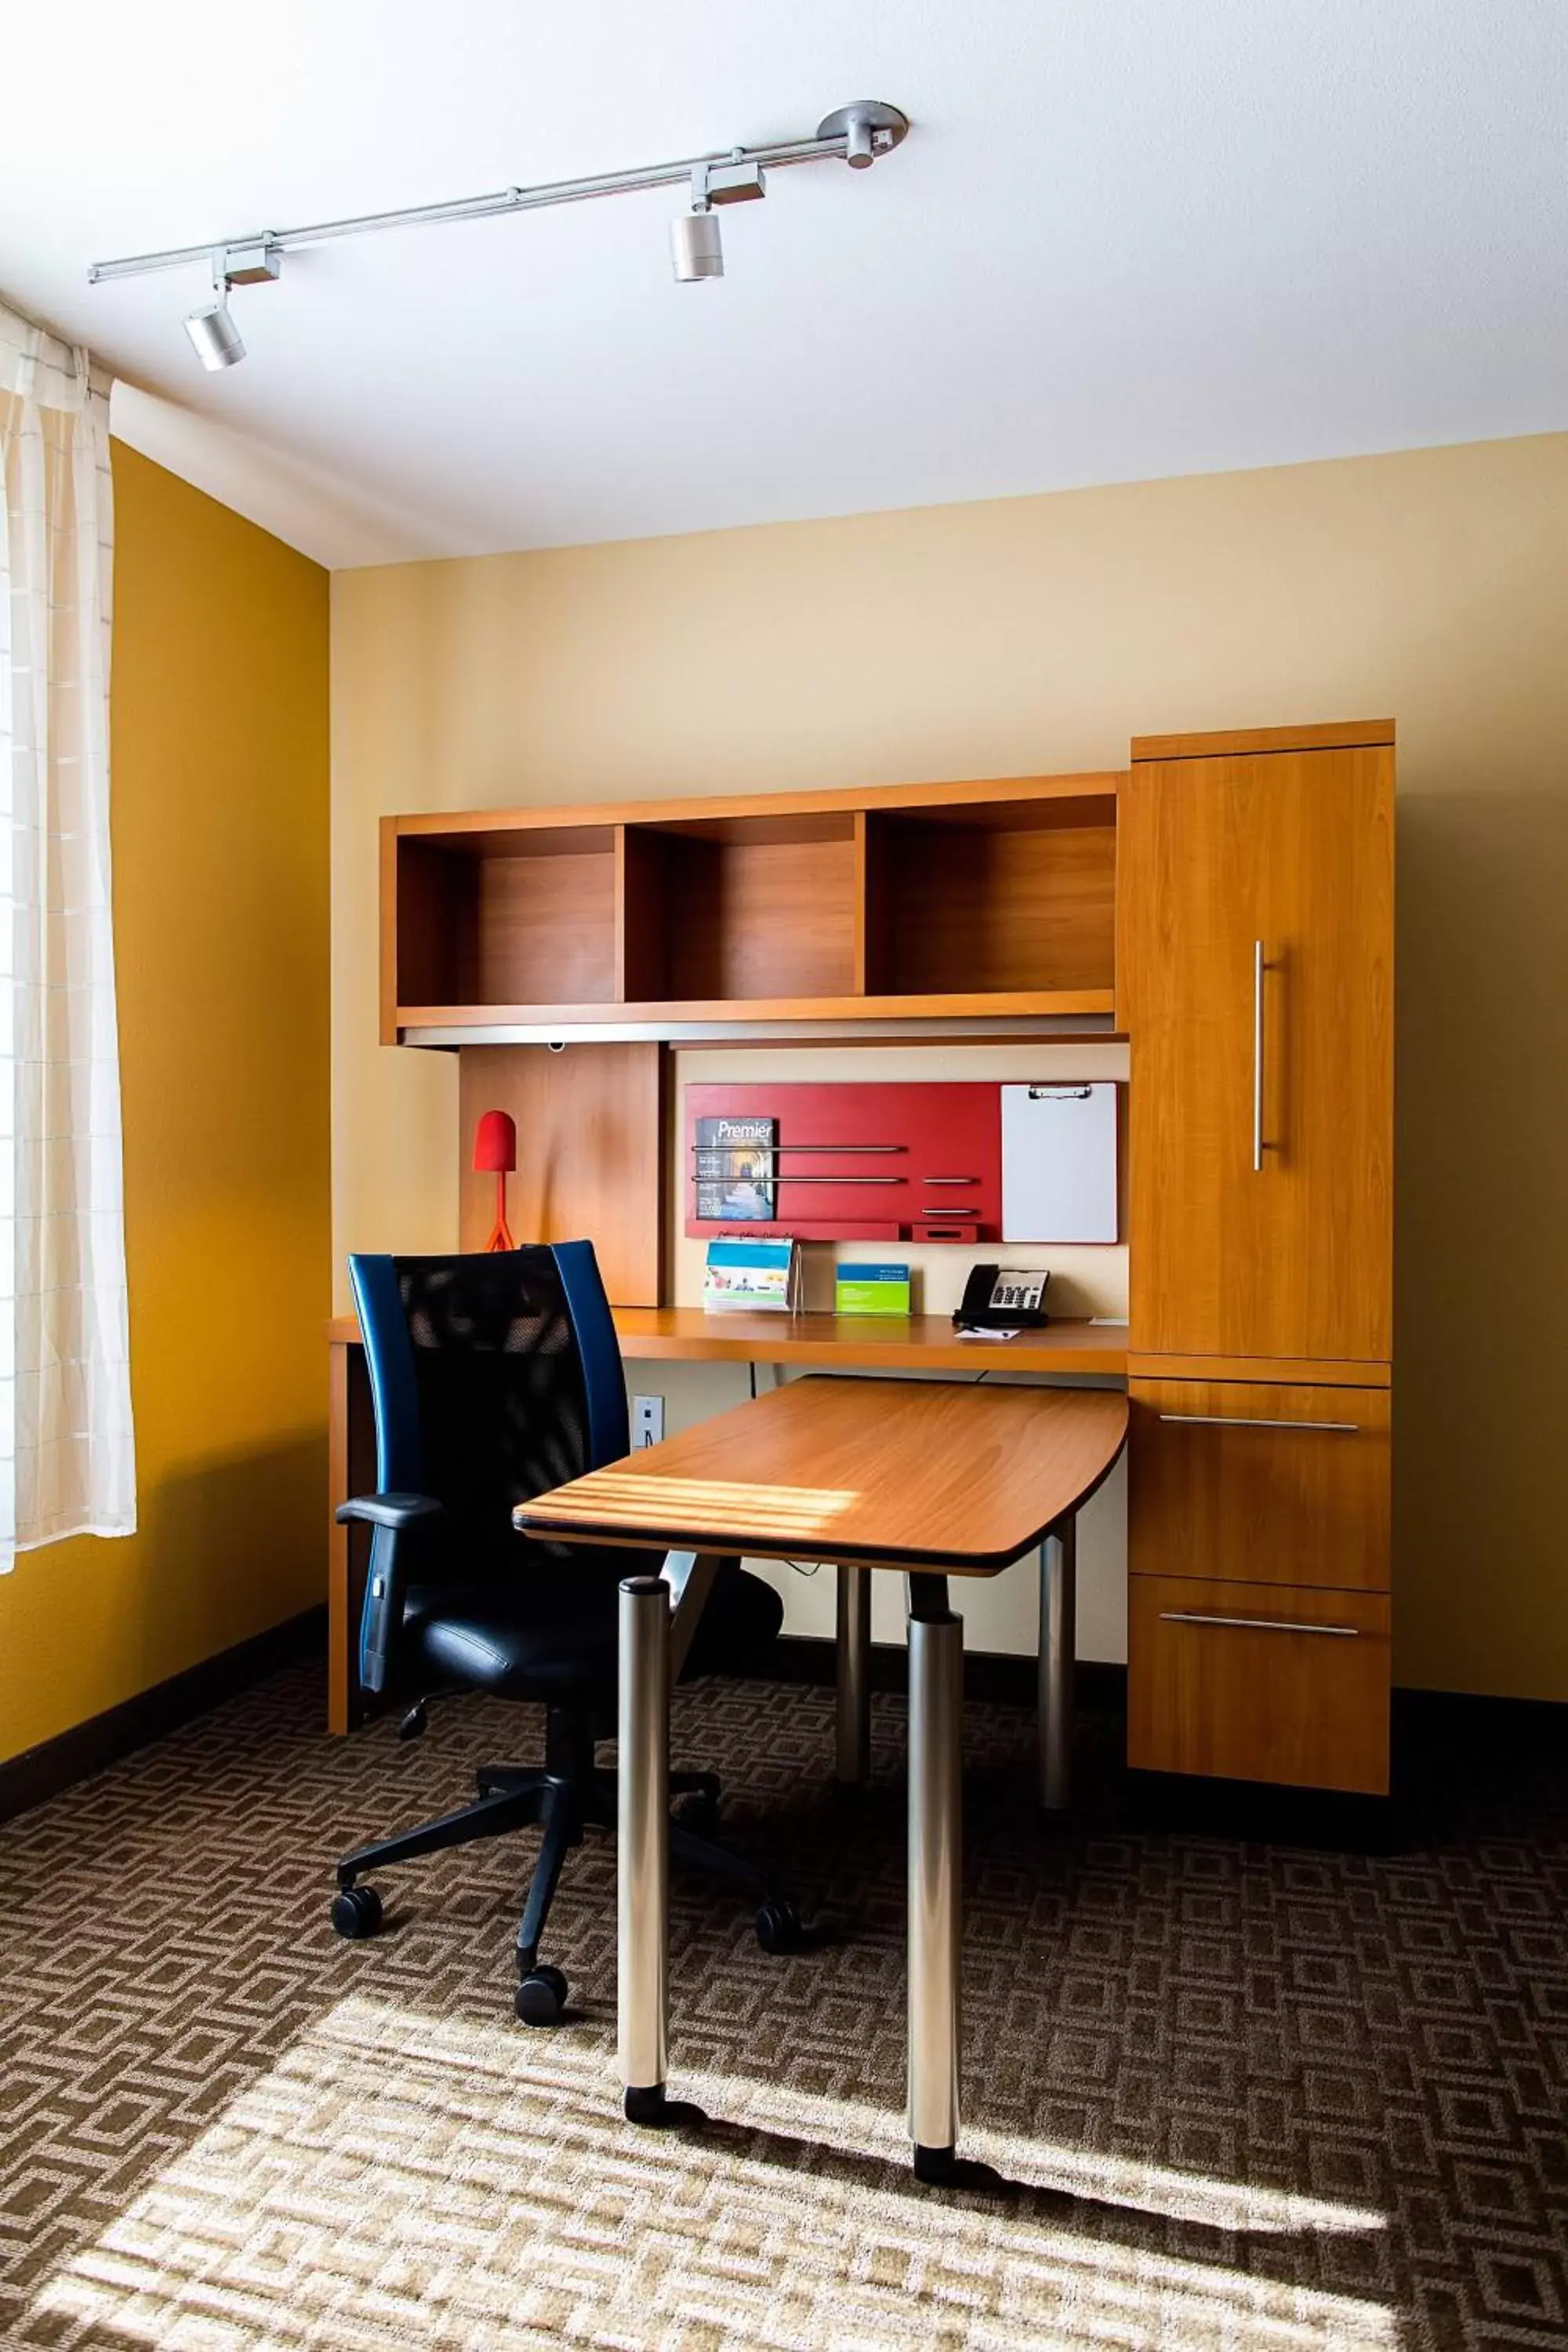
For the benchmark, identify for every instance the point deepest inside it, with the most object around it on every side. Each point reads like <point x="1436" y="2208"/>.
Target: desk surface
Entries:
<point x="871" y="1342"/>
<point x="895" y="1474"/>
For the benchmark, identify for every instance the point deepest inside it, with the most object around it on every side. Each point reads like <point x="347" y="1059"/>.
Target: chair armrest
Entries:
<point x="393" y="1511"/>
<point x="394" y="1522"/>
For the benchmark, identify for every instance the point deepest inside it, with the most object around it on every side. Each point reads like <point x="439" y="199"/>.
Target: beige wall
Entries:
<point x="1034" y="633"/>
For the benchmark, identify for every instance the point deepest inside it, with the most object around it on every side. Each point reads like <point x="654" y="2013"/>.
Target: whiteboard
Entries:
<point x="1058" y="1163"/>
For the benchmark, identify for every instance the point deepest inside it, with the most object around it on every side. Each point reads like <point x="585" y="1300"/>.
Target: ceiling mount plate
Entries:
<point x="887" y="124"/>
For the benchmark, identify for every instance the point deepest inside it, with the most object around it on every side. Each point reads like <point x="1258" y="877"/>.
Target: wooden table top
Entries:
<point x="953" y="1479"/>
<point x="878" y="1342"/>
<point x="874" y="1342"/>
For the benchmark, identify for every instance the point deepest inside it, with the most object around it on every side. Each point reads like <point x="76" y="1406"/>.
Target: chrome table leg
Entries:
<point x="935" y="1873"/>
<point x="852" y="1721"/>
<point x="1058" y="1641"/>
<point x="642" y="1988"/>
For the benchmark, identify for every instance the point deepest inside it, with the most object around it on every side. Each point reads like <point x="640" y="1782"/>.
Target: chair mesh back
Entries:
<point x="503" y="1409"/>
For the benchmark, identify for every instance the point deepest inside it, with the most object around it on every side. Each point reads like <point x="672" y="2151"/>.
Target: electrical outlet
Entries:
<point x="647" y="1422"/>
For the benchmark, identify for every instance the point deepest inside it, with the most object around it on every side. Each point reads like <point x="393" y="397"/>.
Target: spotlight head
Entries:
<point x="696" y="247"/>
<point x="216" y="341"/>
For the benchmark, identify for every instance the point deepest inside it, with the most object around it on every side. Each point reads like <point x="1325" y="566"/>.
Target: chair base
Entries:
<point x="566" y="1795"/>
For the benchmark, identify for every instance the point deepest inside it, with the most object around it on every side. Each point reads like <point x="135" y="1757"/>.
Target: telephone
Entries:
<point x="1002" y="1298"/>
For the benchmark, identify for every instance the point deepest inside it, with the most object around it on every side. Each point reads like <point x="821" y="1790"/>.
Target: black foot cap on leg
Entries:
<point x="655" y="2111"/>
<point x="941" y="2168"/>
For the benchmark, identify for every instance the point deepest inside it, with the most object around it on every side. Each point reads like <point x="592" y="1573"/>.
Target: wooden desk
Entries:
<point x="885" y="1343"/>
<point x="687" y="1335"/>
<point x="931" y="1479"/>
<point x="872" y="1342"/>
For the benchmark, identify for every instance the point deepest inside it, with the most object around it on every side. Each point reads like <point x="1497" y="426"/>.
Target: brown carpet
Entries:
<point x="1241" y="2094"/>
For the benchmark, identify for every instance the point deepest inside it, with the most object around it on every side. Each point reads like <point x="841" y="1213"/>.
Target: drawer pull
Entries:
<point x="1253" y="1624"/>
<point x="1251" y="1421"/>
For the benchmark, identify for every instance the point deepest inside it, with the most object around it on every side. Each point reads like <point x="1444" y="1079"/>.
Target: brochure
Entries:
<point x="751" y="1275"/>
<point x="871" y="1289"/>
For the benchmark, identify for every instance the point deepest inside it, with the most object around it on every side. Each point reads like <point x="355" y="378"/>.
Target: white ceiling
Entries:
<point x="1125" y="238"/>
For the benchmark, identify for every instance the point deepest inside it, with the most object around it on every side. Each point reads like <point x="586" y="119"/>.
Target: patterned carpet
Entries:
<point x="1242" y="2096"/>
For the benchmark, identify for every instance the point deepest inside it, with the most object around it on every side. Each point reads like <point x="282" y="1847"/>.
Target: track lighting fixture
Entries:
<point x="695" y="243"/>
<point x="216" y="341"/>
<point x="856" y="135"/>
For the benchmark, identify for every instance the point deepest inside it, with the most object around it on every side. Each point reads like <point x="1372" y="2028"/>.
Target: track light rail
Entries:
<point x="855" y="135"/>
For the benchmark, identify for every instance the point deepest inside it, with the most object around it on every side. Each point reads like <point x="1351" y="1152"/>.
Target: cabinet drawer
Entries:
<point x="1289" y="1685"/>
<point x="1261" y="1483"/>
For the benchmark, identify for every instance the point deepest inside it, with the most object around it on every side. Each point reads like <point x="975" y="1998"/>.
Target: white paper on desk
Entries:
<point x="1058" y="1163"/>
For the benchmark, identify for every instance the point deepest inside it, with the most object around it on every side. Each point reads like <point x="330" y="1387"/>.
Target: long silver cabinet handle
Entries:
<point x="1257" y="1056"/>
<point x="1254" y="1625"/>
<point x="1250" y="1421"/>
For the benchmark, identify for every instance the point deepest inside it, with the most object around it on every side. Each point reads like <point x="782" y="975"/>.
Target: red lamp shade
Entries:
<point x="495" y="1144"/>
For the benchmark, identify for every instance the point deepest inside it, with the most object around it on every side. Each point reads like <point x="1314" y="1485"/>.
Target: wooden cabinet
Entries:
<point x="1256" y="978"/>
<point x="1287" y="1683"/>
<point x="1268" y="1485"/>
<point x="1230" y="902"/>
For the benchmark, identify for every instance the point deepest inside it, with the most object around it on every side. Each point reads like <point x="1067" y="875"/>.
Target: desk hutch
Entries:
<point x="1226" y="903"/>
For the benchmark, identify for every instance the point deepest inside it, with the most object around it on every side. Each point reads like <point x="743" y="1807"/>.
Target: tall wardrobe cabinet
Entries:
<point x="1254" y="977"/>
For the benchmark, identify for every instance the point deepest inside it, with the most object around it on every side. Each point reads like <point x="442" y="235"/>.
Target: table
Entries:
<point x="917" y="1343"/>
<point x="930" y="1480"/>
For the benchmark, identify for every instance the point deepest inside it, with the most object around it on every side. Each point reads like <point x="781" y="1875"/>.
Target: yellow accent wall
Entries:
<point x="219" y="750"/>
<point x="1030" y="634"/>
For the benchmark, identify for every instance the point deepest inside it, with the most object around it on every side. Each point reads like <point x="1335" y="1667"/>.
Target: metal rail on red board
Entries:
<point x="946" y="1136"/>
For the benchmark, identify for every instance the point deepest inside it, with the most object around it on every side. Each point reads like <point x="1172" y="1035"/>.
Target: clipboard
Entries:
<point x="1059" y="1162"/>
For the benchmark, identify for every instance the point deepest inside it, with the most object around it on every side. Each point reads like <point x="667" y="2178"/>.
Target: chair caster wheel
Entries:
<point x="356" y="1912"/>
<point x="540" y="1998"/>
<point x="779" y="1927"/>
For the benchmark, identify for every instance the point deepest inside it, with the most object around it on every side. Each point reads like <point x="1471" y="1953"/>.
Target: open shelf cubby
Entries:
<point x="1002" y="899"/>
<point x="742" y="910"/>
<point x="504" y="917"/>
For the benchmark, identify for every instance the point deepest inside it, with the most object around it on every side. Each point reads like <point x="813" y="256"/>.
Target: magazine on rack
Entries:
<point x="736" y="1183"/>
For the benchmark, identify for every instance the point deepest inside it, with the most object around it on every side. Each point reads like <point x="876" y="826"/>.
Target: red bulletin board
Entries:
<point x="892" y="1162"/>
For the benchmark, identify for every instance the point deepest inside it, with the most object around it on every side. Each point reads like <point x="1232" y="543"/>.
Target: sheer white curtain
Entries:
<point x="67" y="1458"/>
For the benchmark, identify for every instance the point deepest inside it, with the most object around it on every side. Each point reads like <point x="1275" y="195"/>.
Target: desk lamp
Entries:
<point x="495" y="1153"/>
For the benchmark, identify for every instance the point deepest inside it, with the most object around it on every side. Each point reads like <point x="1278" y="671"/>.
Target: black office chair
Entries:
<point x="493" y="1379"/>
